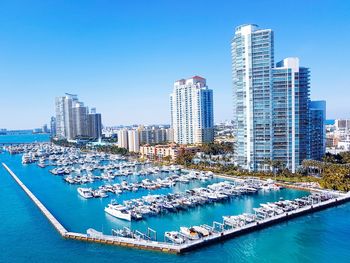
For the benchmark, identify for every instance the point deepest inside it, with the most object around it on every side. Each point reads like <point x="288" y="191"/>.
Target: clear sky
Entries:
<point x="122" y="57"/>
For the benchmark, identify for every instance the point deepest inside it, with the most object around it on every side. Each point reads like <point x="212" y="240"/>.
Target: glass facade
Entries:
<point x="252" y="63"/>
<point x="273" y="117"/>
<point x="290" y="113"/>
<point x="317" y="129"/>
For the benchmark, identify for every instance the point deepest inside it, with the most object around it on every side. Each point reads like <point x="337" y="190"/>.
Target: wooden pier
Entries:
<point x="165" y="247"/>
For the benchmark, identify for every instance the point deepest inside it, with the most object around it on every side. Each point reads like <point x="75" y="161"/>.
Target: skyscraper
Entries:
<point x="64" y="116"/>
<point x="80" y="120"/>
<point x="94" y="125"/>
<point x="290" y="113"/>
<point x="191" y="106"/>
<point x="317" y="129"/>
<point x="273" y="120"/>
<point x="73" y="120"/>
<point x="53" y="127"/>
<point x="252" y="63"/>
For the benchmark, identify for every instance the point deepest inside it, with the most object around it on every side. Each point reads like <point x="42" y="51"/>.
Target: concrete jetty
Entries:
<point x="215" y="237"/>
<point x="58" y="226"/>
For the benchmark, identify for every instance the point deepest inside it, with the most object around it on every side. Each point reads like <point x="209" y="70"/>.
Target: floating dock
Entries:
<point x="215" y="237"/>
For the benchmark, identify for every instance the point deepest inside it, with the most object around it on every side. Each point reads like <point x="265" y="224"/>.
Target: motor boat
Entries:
<point x="85" y="192"/>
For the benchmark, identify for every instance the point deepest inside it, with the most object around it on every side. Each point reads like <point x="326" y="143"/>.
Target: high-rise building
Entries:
<point x="53" y="127"/>
<point x="290" y="113"/>
<point x="123" y="139"/>
<point x="94" y="125"/>
<point x="133" y="141"/>
<point x="80" y="120"/>
<point x="191" y="106"/>
<point x="273" y="117"/>
<point x="252" y="63"/>
<point x="153" y="135"/>
<point x="73" y="120"/>
<point x="317" y="129"/>
<point x="64" y="116"/>
<point x="169" y="134"/>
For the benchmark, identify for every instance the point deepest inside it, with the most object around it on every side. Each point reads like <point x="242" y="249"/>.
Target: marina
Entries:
<point x="152" y="205"/>
<point x="188" y="237"/>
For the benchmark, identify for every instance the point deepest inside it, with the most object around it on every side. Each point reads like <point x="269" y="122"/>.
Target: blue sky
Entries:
<point x="122" y="57"/>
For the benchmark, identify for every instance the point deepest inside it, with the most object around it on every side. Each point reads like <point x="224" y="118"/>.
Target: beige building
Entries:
<point x="158" y="152"/>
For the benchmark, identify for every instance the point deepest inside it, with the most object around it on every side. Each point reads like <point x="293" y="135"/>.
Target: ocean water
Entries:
<point x="27" y="236"/>
<point x="25" y="137"/>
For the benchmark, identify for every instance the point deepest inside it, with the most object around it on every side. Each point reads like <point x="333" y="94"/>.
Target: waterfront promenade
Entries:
<point x="216" y="236"/>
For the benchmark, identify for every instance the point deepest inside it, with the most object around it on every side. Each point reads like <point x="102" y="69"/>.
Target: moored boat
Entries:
<point x="118" y="211"/>
<point x="175" y="237"/>
<point x="190" y="233"/>
<point x="85" y="192"/>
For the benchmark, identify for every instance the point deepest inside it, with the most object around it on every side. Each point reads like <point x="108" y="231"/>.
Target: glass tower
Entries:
<point x="317" y="129"/>
<point x="252" y="63"/>
<point x="290" y="113"/>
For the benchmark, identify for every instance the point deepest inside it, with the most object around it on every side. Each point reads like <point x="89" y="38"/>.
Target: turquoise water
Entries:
<point x="28" y="137"/>
<point x="28" y="237"/>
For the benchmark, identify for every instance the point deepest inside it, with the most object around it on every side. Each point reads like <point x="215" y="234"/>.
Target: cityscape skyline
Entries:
<point x="181" y="131"/>
<point x="74" y="120"/>
<point x="103" y="71"/>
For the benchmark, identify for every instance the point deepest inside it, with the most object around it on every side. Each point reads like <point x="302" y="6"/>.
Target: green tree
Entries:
<point x="167" y="158"/>
<point x="184" y="158"/>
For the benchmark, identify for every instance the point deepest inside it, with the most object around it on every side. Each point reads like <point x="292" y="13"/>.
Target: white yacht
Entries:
<point x="26" y="158"/>
<point x="85" y="192"/>
<point x="189" y="233"/>
<point x="118" y="211"/>
<point x="175" y="237"/>
<point x="270" y="187"/>
<point x="201" y="230"/>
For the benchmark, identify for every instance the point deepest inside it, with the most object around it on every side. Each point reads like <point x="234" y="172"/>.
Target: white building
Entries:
<point x="72" y="119"/>
<point x="252" y="63"/>
<point x="123" y="139"/>
<point x="192" y="117"/>
<point x="64" y="116"/>
<point x="133" y="141"/>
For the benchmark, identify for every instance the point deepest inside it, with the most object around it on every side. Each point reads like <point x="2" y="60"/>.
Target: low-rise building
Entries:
<point x="338" y="136"/>
<point x="132" y="137"/>
<point x="158" y="152"/>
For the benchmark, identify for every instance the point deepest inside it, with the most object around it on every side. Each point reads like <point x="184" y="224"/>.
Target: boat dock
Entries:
<point x="215" y="237"/>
